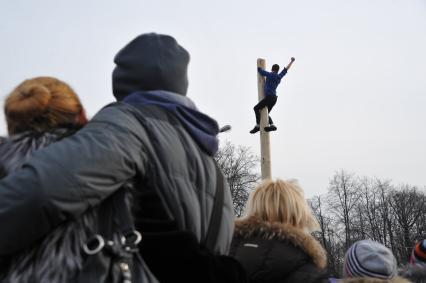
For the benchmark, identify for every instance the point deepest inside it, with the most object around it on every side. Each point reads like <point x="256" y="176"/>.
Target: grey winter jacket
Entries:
<point x="143" y="145"/>
<point x="61" y="249"/>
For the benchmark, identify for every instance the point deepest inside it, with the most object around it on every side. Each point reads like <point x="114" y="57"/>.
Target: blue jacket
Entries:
<point x="272" y="80"/>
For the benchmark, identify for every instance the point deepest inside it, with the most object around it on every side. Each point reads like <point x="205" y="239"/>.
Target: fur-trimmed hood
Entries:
<point x="253" y="227"/>
<point x="374" y="280"/>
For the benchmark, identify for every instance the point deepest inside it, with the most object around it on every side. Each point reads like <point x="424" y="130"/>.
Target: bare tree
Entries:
<point x="408" y="205"/>
<point x="327" y="235"/>
<point x="368" y="208"/>
<point x="240" y="167"/>
<point x="343" y="199"/>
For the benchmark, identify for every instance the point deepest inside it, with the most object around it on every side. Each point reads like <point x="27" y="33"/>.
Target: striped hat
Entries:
<point x="367" y="258"/>
<point x="418" y="256"/>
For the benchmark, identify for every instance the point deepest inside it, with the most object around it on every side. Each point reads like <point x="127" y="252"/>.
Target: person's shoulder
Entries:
<point x="112" y="108"/>
<point x="119" y="121"/>
<point x="19" y="144"/>
<point x="118" y="113"/>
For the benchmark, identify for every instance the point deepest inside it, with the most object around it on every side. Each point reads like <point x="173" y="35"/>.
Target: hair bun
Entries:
<point x="43" y="103"/>
<point x="31" y="101"/>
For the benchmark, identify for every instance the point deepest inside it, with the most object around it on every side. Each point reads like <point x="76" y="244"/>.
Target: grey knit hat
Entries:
<point x="367" y="258"/>
<point x="150" y="62"/>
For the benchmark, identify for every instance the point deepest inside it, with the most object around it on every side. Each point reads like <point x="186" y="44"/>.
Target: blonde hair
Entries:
<point x="281" y="201"/>
<point x="42" y="103"/>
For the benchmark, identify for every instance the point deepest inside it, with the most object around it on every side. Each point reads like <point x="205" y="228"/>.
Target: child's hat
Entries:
<point x="368" y="258"/>
<point x="418" y="256"/>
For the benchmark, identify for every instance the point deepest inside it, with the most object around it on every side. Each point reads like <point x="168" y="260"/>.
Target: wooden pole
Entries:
<point x="265" y="152"/>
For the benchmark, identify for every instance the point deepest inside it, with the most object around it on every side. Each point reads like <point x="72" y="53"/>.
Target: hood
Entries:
<point x="150" y="62"/>
<point x="247" y="228"/>
<point x="201" y="127"/>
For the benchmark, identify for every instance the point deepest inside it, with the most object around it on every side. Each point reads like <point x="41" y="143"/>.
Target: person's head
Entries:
<point x="150" y="62"/>
<point x="418" y="255"/>
<point x="43" y="103"/>
<point x="275" y="68"/>
<point x="281" y="201"/>
<point x="367" y="258"/>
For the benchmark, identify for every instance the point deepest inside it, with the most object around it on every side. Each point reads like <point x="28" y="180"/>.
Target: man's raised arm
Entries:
<point x="291" y="63"/>
<point x="284" y="71"/>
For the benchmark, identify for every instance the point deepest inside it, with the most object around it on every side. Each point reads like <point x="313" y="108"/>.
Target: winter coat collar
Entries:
<point x="201" y="127"/>
<point x="160" y="96"/>
<point x="254" y="227"/>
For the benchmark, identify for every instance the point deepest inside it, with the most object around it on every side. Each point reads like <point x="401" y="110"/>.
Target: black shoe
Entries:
<point x="270" y="128"/>
<point x="255" y="129"/>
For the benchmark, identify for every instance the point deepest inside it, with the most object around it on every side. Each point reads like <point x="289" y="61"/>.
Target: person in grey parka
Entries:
<point x="154" y="140"/>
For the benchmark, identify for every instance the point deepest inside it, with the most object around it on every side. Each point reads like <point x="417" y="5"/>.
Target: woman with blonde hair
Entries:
<point x="273" y="240"/>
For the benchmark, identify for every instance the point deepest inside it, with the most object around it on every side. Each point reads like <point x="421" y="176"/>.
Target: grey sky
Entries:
<point x="353" y="100"/>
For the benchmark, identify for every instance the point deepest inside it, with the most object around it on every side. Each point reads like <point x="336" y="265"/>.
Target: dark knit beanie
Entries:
<point x="150" y="62"/>
<point x="418" y="256"/>
<point x="368" y="258"/>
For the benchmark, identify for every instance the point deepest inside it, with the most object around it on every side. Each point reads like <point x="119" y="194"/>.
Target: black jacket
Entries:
<point x="274" y="252"/>
<point x="61" y="249"/>
<point x="18" y="148"/>
<point x="143" y="145"/>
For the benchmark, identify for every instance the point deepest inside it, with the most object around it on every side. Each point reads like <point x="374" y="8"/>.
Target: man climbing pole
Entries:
<point x="273" y="79"/>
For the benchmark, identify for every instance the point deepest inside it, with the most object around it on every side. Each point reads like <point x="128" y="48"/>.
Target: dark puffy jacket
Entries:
<point x="274" y="252"/>
<point x="61" y="248"/>
<point x="160" y="144"/>
<point x="18" y="148"/>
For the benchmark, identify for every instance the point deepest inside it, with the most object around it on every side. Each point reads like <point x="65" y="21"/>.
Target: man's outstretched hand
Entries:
<point x="291" y="62"/>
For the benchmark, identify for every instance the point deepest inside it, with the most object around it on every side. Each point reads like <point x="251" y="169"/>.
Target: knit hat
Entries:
<point x="150" y="62"/>
<point x="418" y="256"/>
<point x="367" y="258"/>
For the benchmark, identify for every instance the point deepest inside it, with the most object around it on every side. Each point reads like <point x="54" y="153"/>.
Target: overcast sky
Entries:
<point x="354" y="99"/>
